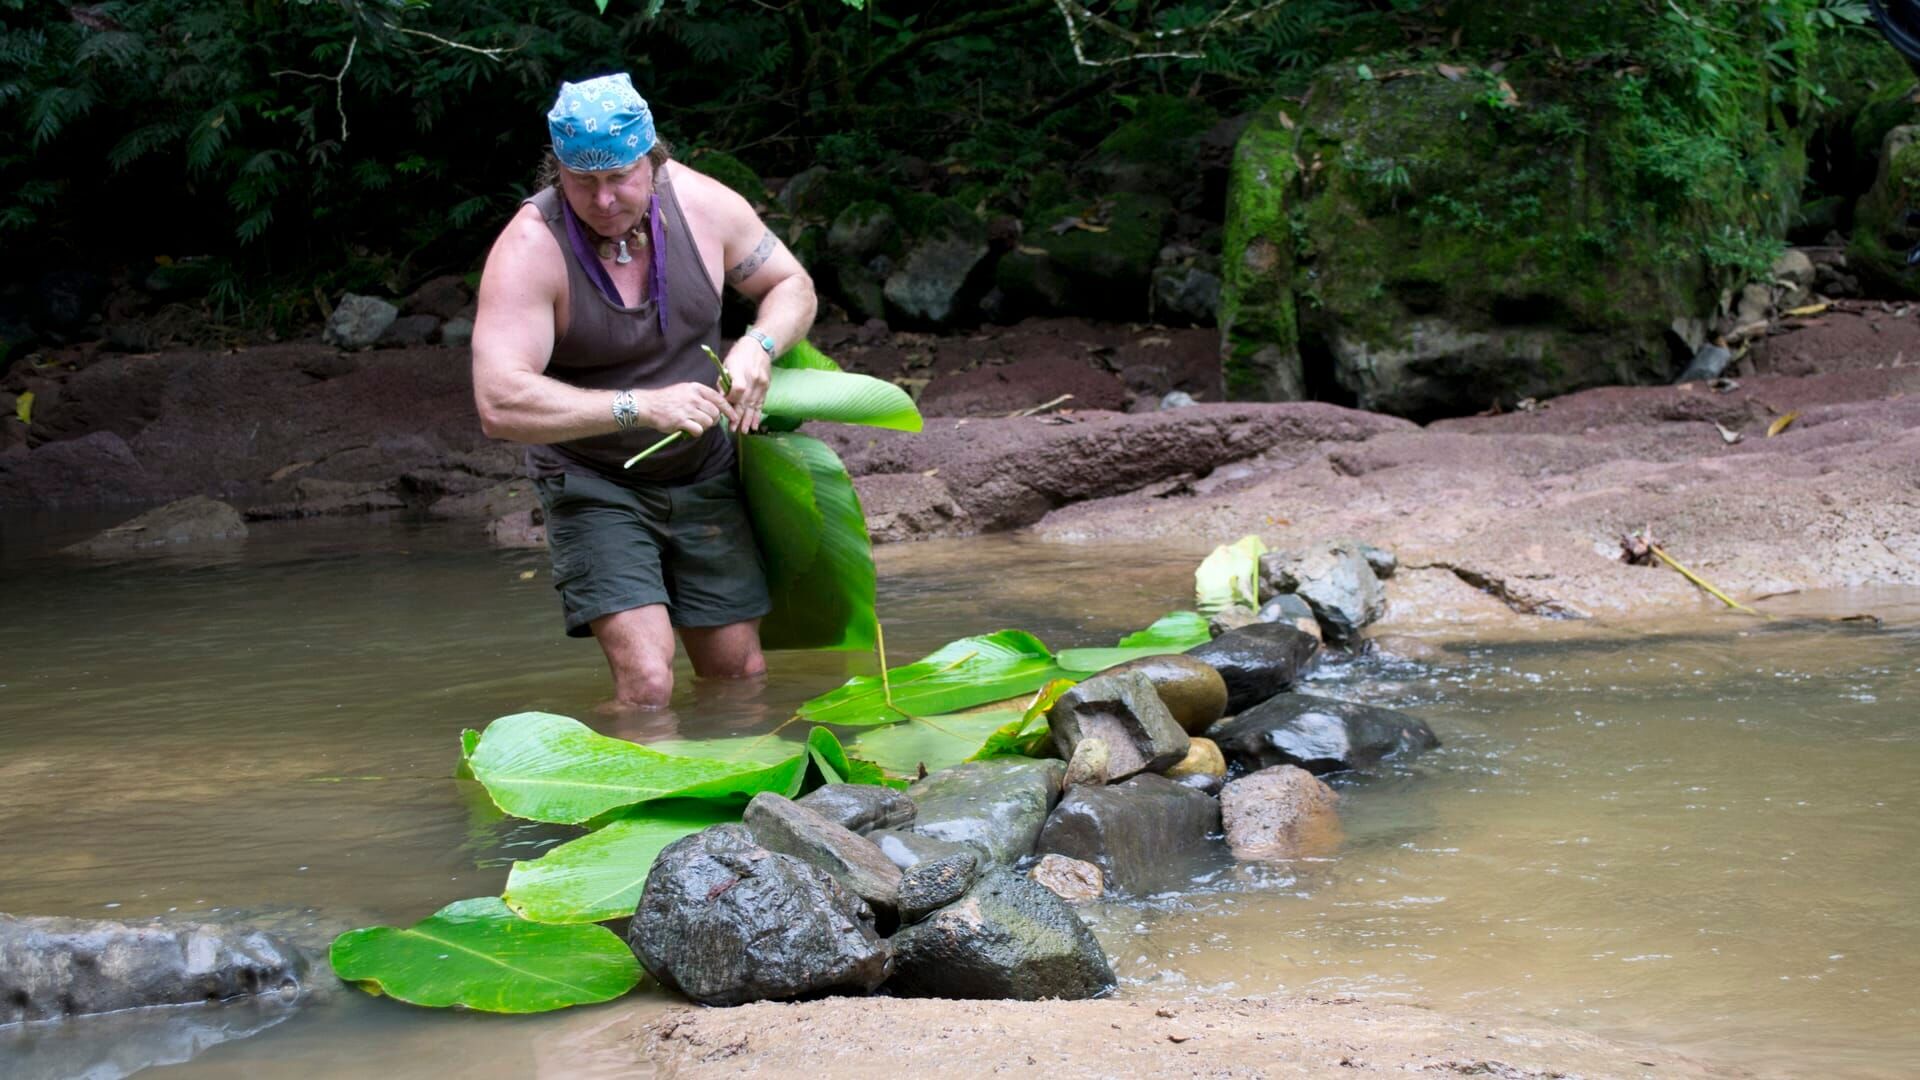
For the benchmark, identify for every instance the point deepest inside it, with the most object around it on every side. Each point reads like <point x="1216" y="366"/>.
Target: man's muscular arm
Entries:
<point x="513" y="336"/>
<point x="762" y="269"/>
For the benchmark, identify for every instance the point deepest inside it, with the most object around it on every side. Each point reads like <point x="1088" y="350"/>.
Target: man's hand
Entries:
<point x="689" y="407"/>
<point x="749" y="367"/>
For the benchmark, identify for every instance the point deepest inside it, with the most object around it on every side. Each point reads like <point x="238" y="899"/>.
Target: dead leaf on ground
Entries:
<point x="1451" y="72"/>
<point x="1153" y="342"/>
<point x="527" y="575"/>
<point x="1723" y="385"/>
<point x="1807" y="309"/>
<point x="285" y="471"/>
<point x="1727" y="435"/>
<point x="1781" y="424"/>
<point x="1508" y="97"/>
<point x="1026" y="250"/>
<point x="935" y="471"/>
<point x="1285" y="120"/>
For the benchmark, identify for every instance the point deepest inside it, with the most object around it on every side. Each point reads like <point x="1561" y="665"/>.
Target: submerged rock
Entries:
<point x="1282" y="812"/>
<point x="1258" y="661"/>
<point x="1008" y="938"/>
<point x="190" y="521"/>
<point x="1145" y="835"/>
<point x="1191" y="689"/>
<point x="725" y="921"/>
<point x="53" y="968"/>
<point x="934" y="883"/>
<point x="1126" y="713"/>
<point x="860" y="807"/>
<point x="782" y="825"/>
<point x="996" y="806"/>
<point x="1319" y="734"/>
<point x="906" y="849"/>
<point x="1069" y="879"/>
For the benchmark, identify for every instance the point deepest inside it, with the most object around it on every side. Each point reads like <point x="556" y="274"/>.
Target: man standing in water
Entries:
<point x="593" y="308"/>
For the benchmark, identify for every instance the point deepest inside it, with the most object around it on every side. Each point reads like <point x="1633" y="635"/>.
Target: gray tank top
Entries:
<point x="611" y="347"/>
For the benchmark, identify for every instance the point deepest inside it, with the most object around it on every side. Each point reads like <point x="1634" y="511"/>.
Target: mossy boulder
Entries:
<point x="1093" y="259"/>
<point x="1427" y="242"/>
<point x="1154" y="150"/>
<point x="1881" y="235"/>
<point x="820" y="194"/>
<point x="734" y="173"/>
<point x="938" y="284"/>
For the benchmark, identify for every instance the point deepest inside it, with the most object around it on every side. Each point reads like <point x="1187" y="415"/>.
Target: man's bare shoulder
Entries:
<point x="526" y="253"/>
<point x="703" y="195"/>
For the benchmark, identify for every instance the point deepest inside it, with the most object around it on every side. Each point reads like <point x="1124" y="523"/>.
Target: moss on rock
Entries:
<point x="1102" y="272"/>
<point x="734" y="173"/>
<point x="1881" y="236"/>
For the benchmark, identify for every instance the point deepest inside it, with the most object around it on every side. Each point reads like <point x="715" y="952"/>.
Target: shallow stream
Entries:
<point x="1700" y="838"/>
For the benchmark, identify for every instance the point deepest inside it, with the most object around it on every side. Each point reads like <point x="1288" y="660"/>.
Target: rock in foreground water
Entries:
<point x="51" y="968"/>
<point x="1191" y="690"/>
<point x="1008" y="938"/>
<point x="1282" y="812"/>
<point x="997" y="806"/>
<point x="1258" y="661"/>
<point x="1337" y="580"/>
<point x="780" y="824"/>
<point x="725" y="921"/>
<point x="189" y="522"/>
<point x="1069" y="879"/>
<point x="1145" y="835"/>
<point x="860" y="807"/>
<point x="1319" y="734"/>
<point x="1125" y="712"/>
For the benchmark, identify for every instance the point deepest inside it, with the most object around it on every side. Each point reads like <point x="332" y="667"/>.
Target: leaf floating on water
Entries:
<point x="478" y="954"/>
<point x="1782" y="423"/>
<point x="554" y="768"/>
<point x="958" y="675"/>
<point x="1175" y="632"/>
<point x="599" y="876"/>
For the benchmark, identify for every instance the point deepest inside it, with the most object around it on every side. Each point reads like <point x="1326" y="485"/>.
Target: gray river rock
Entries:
<point x="1146" y="835"/>
<point x="996" y="806"/>
<point x="780" y="824"/>
<point x="1319" y="734"/>
<point x="934" y="883"/>
<point x="1125" y="712"/>
<point x="906" y="849"/>
<point x="1337" y="580"/>
<point x="1258" y="661"/>
<point x="860" y="807"/>
<point x="1010" y="937"/>
<point x="725" y="921"/>
<point x="53" y="968"/>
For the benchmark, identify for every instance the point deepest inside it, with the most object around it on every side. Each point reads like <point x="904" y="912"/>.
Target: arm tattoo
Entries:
<point x="745" y="268"/>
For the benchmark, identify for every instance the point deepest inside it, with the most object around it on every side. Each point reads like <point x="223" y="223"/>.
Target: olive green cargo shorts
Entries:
<point x="616" y="548"/>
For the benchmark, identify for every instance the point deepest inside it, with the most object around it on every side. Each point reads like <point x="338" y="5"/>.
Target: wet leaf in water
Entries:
<point x="935" y="741"/>
<point x="478" y="954"/>
<point x="599" y="876"/>
<point x="553" y="768"/>
<point x="1230" y="576"/>
<point x="1174" y="632"/>
<point x="959" y="675"/>
<point x="834" y="763"/>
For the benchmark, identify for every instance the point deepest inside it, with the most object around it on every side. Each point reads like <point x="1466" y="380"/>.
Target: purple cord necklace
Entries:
<point x="583" y="251"/>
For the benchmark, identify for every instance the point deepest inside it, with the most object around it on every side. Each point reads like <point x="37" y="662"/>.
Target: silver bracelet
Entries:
<point x="766" y="341"/>
<point x="626" y="411"/>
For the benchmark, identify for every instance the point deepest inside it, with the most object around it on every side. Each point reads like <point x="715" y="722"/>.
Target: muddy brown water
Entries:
<point x="1695" y="836"/>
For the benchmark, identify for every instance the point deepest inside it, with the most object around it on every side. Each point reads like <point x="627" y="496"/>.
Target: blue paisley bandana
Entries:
<point x="600" y="124"/>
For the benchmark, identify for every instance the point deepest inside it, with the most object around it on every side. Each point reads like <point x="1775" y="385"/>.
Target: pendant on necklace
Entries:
<point x="623" y="258"/>
<point x="617" y="249"/>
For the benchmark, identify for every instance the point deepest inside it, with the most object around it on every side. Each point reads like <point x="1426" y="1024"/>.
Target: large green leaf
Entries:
<point x="598" y="876"/>
<point x="479" y="955"/>
<point x="804" y="355"/>
<point x="836" y="765"/>
<point x="813" y="535"/>
<point x="552" y="768"/>
<point x="958" y="675"/>
<point x="813" y="394"/>
<point x="1174" y="632"/>
<point x="1028" y="734"/>
<point x="1230" y="576"/>
<point x="933" y="741"/>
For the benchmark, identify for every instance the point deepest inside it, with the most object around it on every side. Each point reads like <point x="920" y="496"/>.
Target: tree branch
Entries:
<point x="966" y="24"/>
<point x="339" y="84"/>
